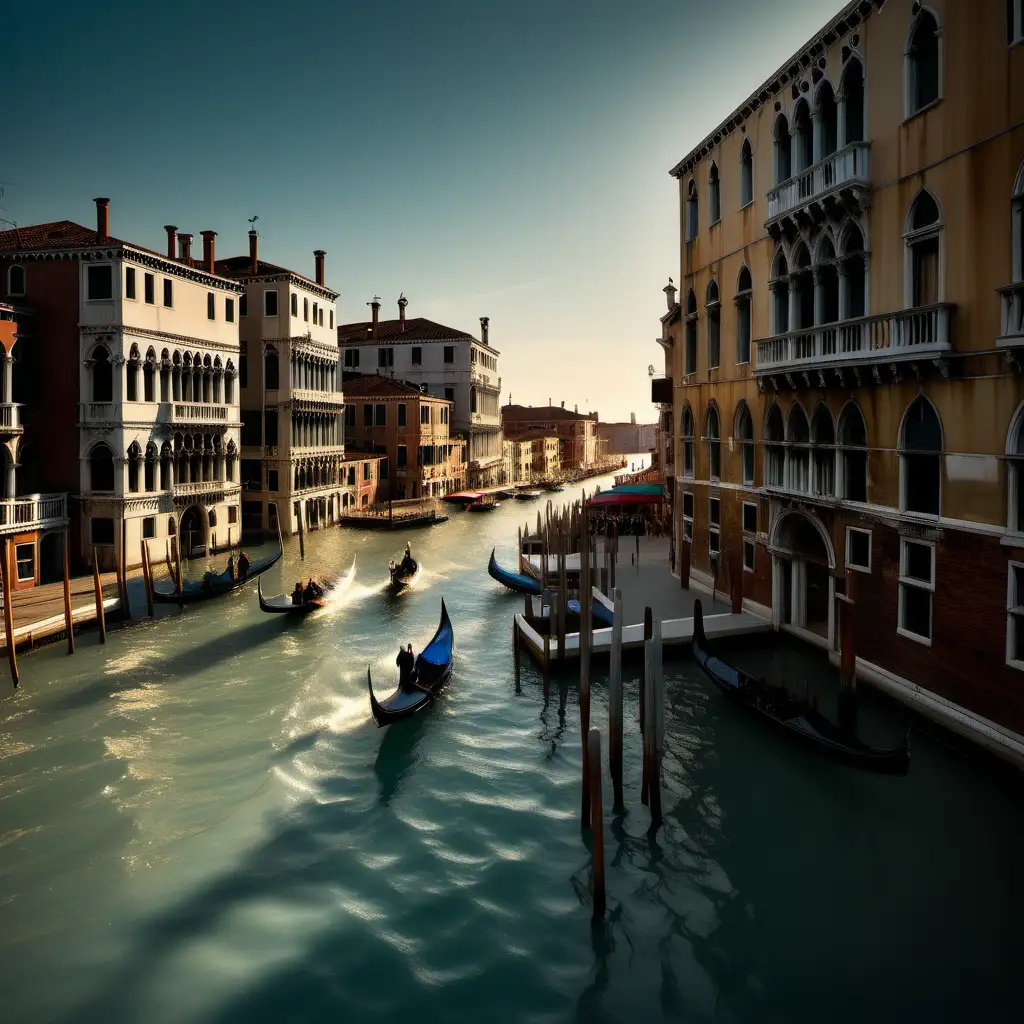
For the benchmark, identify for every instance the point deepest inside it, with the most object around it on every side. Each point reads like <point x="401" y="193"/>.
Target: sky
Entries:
<point x="501" y="159"/>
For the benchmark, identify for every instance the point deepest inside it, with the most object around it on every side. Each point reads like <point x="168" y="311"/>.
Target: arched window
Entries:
<point x="714" y="195"/>
<point x="828" y="131"/>
<point x="231" y="459"/>
<point x="798" y="461"/>
<point x="853" y="453"/>
<point x="921" y="458"/>
<point x="134" y="458"/>
<point x="745" y="433"/>
<point x="852" y="98"/>
<point x="690" y="348"/>
<point x="714" y="316"/>
<point x="853" y="280"/>
<point x="102" y="376"/>
<point x="803" y="140"/>
<point x="746" y="174"/>
<point x="774" y="452"/>
<point x="779" y="285"/>
<point x="923" y="235"/>
<point x="271" y="370"/>
<point x="132" y="375"/>
<point x="713" y="436"/>
<point x="802" y="288"/>
<point x="922" y="62"/>
<point x="823" y="440"/>
<point x="692" y="222"/>
<point x="101" y="468"/>
<point x="780" y="142"/>
<point x="686" y="432"/>
<point x="149" y="376"/>
<point x="165" y="466"/>
<point x="16" y="281"/>
<point x="229" y="383"/>
<point x="743" y="299"/>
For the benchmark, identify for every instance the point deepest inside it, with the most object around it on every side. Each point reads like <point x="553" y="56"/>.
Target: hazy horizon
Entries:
<point x="509" y="162"/>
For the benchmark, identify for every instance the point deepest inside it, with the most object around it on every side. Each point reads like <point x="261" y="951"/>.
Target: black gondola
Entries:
<point x="401" y="579"/>
<point x="213" y="584"/>
<point x="600" y="611"/>
<point x="797" y="718"/>
<point x="433" y="670"/>
<point x="487" y="504"/>
<point x="284" y="604"/>
<point x="517" y="581"/>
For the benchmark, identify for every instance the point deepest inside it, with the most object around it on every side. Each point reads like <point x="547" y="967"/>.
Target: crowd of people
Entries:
<point x="625" y="525"/>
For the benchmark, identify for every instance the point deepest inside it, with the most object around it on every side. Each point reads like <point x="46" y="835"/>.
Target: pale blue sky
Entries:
<point x="488" y="159"/>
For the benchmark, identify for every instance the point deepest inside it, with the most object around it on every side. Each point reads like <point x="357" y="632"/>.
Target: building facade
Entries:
<point x="291" y="399"/>
<point x="397" y="419"/>
<point x="576" y="431"/>
<point x="628" y="438"/>
<point x="844" y="365"/>
<point x="138" y="413"/>
<point x="451" y="363"/>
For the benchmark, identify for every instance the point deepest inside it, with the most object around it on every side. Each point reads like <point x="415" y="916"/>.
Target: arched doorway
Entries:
<point x="802" y="583"/>
<point x="51" y="558"/>
<point x="192" y="532"/>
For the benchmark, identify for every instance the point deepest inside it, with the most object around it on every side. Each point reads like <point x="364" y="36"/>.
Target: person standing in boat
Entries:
<point x="406" y="663"/>
<point x="243" y="565"/>
<point x="297" y="593"/>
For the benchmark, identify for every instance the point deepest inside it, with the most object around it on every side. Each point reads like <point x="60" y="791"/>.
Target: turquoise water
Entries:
<point x="200" y="822"/>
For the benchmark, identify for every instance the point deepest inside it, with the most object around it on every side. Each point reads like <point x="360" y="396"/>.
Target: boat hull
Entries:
<point x="283" y="605"/>
<point x="517" y="581"/>
<point x="196" y="590"/>
<point x="402" y="583"/>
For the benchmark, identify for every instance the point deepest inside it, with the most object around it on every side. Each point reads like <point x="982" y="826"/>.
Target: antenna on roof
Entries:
<point x="252" y="222"/>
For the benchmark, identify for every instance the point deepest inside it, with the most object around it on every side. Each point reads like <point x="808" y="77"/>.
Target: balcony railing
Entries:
<point x="212" y="491"/>
<point x="885" y="338"/>
<point x="199" y="412"/>
<point x="661" y="390"/>
<point x="850" y="166"/>
<point x="486" y="379"/>
<point x="310" y="395"/>
<point x="97" y="411"/>
<point x="33" y="512"/>
<point x="10" y="418"/>
<point x="1012" y="333"/>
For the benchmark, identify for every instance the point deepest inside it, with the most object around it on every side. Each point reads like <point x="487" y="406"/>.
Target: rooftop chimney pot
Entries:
<point x="185" y="246"/>
<point x="375" y="306"/>
<point x="318" y="261"/>
<point x="484" y="324"/>
<point x="670" y="294"/>
<point x="208" y="256"/>
<point x="254" y="251"/>
<point x="172" y="234"/>
<point x="402" y="303"/>
<point x="102" y="219"/>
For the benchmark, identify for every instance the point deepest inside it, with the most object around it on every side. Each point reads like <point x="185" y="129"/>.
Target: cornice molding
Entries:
<point x="290" y="277"/>
<point x="127" y="330"/>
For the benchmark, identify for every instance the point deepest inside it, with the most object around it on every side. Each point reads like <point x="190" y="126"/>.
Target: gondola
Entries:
<point x="602" y="613"/>
<point x="517" y="581"/>
<point x="213" y="584"/>
<point x="527" y="495"/>
<point x="483" y="505"/>
<point x="797" y="718"/>
<point x="433" y="670"/>
<point x="402" y="581"/>
<point x="284" y="603"/>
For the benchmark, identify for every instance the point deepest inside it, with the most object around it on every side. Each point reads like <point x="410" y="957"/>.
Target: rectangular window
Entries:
<point x="316" y="314"/>
<point x="858" y="549"/>
<point x="350" y="415"/>
<point x="100" y="282"/>
<point x="211" y="306"/>
<point x="168" y="292"/>
<point x="688" y="515"/>
<point x="232" y="514"/>
<point x="749" y="517"/>
<point x="295" y="304"/>
<point x="305" y="310"/>
<point x="367" y="415"/>
<point x="714" y="541"/>
<point x="229" y="310"/>
<point x="332" y="320"/>
<point x="149" y="528"/>
<point x="1015" y="616"/>
<point x="270" y="302"/>
<point x="748" y="554"/>
<point x="25" y="555"/>
<point x="424" y="414"/>
<point x="403" y="455"/>
<point x="380" y="415"/>
<point x="243" y="305"/>
<point x="271" y="479"/>
<point x="385" y="357"/>
<point x="149" y="288"/>
<point x="417" y="355"/>
<point x="401" y="414"/>
<point x="449" y="353"/>
<point x="715" y="511"/>
<point x="449" y="394"/>
<point x="321" y="321"/>
<point x="102" y="531"/>
<point x="366" y="471"/>
<point x="917" y="588"/>
<point x="129" y="282"/>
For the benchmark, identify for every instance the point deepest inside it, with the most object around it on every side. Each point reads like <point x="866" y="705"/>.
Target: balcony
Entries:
<point x="33" y="512"/>
<point x="186" y="413"/>
<point x="661" y="390"/>
<point x="206" y="492"/>
<point x="10" y="418"/>
<point x="1012" y="333"/>
<point x="831" y="187"/>
<point x="851" y="347"/>
<point x="98" y="412"/>
<point x="486" y="380"/>
<point x="335" y="398"/>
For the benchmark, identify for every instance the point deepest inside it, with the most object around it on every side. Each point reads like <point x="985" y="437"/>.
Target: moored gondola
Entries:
<point x="601" y="611"/>
<point x="517" y="581"/>
<point x="214" y="584"/>
<point x="433" y="670"/>
<point x="527" y="495"/>
<point x="285" y="604"/>
<point x="487" y="504"/>
<point x="798" y="719"/>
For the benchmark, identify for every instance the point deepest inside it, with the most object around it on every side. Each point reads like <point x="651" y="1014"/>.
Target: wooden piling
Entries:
<point x="69" y="624"/>
<point x="545" y="598"/>
<point x="847" y="608"/>
<point x="615" y="703"/>
<point x="656" y="724"/>
<point x="563" y="594"/>
<point x="519" y="549"/>
<point x="684" y="564"/>
<point x="5" y="567"/>
<point x="121" y="554"/>
<point x="98" y="588"/>
<point x="170" y="564"/>
<point x="597" y="822"/>
<point x="147" y="577"/>
<point x="515" y="647"/>
<point x="302" y="535"/>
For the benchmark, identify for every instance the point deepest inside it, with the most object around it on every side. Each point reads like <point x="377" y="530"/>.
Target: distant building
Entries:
<point x="451" y="363"/>
<point x="540" y="455"/>
<point x="627" y="438"/>
<point x="394" y="418"/>
<point x="576" y="431"/>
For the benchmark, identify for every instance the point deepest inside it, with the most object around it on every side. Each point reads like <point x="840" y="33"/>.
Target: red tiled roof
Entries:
<point x="518" y="413"/>
<point x="372" y="385"/>
<point x="58" y="234"/>
<point x="416" y="329"/>
<point x="241" y="266"/>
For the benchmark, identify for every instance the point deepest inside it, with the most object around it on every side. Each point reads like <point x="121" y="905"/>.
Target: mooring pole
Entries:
<point x="69" y="624"/>
<point x="98" y="588"/>
<point x="597" y="821"/>
<point x="5" y="565"/>
<point x="615" y="702"/>
<point x="584" y="641"/>
<point x="147" y="577"/>
<point x="656" y="725"/>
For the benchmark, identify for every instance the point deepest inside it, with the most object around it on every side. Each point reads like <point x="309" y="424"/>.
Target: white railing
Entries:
<point x="317" y="449"/>
<point x="1012" y="332"/>
<point x="199" y="412"/>
<point x="206" y="487"/>
<point x="33" y="512"/>
<point x="907" y="334"/>
<point x="309" y="395"/>
<point x="485" y="378"/>
<point x="850" y="166"/>
<point x="10" y="418"/>
<point x="104" y="411"/>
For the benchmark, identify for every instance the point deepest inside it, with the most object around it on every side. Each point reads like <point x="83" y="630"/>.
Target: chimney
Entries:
<point x="208" y="258"/>
<point x="563" y="403"/>
<point x="172" y="234"/>
<point x="318" y="259"/>
<point x="185" y="246"/>
<point x="484" y="321"/>
<point x="375" y="306"/>
<point x="575" y="408"/>
<point x="102" y="219"/>
<point x="402" y="303"/>
<point x="254" y="252"/>
<point x="670" y="293"/>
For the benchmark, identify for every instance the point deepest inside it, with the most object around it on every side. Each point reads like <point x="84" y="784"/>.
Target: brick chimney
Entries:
<point x="402" y="303"/>
<point x="484" y="322"/>
<point x="254" y="252"/>
<point x="375" y="306"/>
<point x="102" y="219"/>
<point x="172" y="235"/>
<point x="208" y="257"/>
<point x="318" y="259"/>
<point x="185" y="246"/>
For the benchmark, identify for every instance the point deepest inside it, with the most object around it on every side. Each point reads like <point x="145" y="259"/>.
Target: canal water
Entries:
<point x="199" y="821"/>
